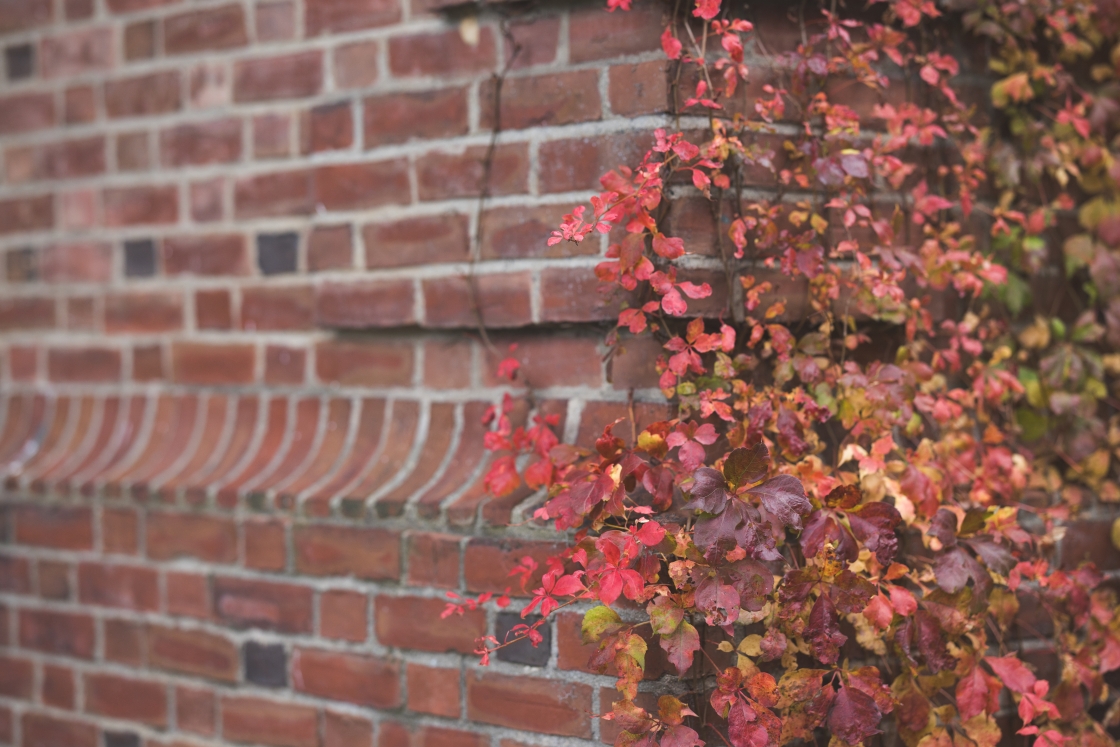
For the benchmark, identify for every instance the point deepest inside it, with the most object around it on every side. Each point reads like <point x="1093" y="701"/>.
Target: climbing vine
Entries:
<point x="849" y="527"/>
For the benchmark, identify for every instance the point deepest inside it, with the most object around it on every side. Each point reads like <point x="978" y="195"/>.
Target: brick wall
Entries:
<point x="240" y="382"/>
<point x="241" y="387"/>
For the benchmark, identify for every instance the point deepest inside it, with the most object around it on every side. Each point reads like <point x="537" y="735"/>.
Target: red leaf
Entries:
<point x="680" y="645"/>
<point x="670" y="44"/>
<point x="1012" y="672"/>
<point x="854" y="716"/>
<point x="977" y="693"/>
<point x="824" y="633"/>
<point x="706" y="9"/>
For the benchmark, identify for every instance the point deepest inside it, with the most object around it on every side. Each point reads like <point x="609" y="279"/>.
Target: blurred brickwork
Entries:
<point x="241" y="380"/>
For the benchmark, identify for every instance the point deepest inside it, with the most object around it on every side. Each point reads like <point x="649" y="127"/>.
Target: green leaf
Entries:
<point x="664" y="616"/>
<point x="597" y="621"/>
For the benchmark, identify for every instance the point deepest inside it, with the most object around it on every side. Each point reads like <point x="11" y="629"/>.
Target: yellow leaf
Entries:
<point x="751" y="645"/>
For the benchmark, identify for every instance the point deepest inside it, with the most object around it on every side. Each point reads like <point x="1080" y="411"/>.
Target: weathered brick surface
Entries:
<point x="239" y="355"/>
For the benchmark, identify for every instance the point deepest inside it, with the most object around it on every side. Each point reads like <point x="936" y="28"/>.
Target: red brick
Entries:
<point x="23" y="363"/>
<point x="78" y="9"/>
<point x="285" y="307"/>
<point x="124" y="586"/>
<point x="222" y="27"/>
<point x="63" y="160"/>
<point x="195" y="710"/>
<point x="77" y="209"/>
<point x="577" y="163"/>
<point x="355" y="65"/>
<point x="329" y="248"/>
<point x="82" y="314"/>
<point x="552" y="99"/>
<point x="147" y="363"/>
<point x="552" y="361"/>
<point x="16" y="677"/>
<point x="514" y="233"/>
<point x="415" y="623"/>
<point x="134" y="152"/>
<point x="344" y="730"/>
<point x="433" y="560"/>
<point x="193" y="652"/>
<point x="20" y="214"/>
<point x="284" y="365"/>
<point x="275" y="606"/>
<point x="365" y="304"/>
<point x="322" y="16"/>
<point x="25" y="112"/>
<point x="573" y="295"/>
<point x="41" y="730"/>
<point x="417" y="241"/>
<point x="342" y="614"/>
<point x="286" y="76"/>
<point x="370" y="363"/>
<point x="354" y="186"/>
<point x="58" y="527"/>
<point x="209" y="84"/>
<point x="125" y="642"/>
<point x="248" y="719"/>
<point x="206" y="199"/>
<point x="443" y="176"/>
<point x="119" y="530"/>
<point x="327" y="127"/>
<point x="272" y="136"/>
<point x="288" y="193"/>
<point x="539" y="705"/>
<point x="397" y="117"/>
<point x="83" y="364"/>
<point x="58" y="686"/>
<point x="393" y="734"/>
<point x="15" y="575"/>
<point x="487" y="562"/>
<point x="140" y="40"/>
<point x="143" y="95"/>
<point x="188" y="595"/>
<point x="177" y="535"/>
<point x="217" y="254"/>
<point x="448" y="363"/>
<point x="79" y="105"/>
<point x="1090" y="539"/>
<point x="434" y="690"/>
<point x="638" y="89"/>
<point x="25" y="14"/>
<point x="77" y="262"/>
<point x="194" y="144"/>
<point x="145" y="311"/>
<point x="265" y="544"/>
<point x="597" y="36"/>
<point x="26" y="313"/>
<point x="54" y="579"/>
<point x="134" y="206"/>
<point x="538" y="39"/>
<point x="500" y="300"/>
<point x="205" y="364"/>
<point x="371" y="554"/>
<point x="630" y="365"/>
<point x="76" y="52"/>
<point x="212" y="309"/>
<point x="143" y="701"/>
<point x="276" y="21"/>
<point x="443" y="53"/>
<point x="365" y="680"/>
<point x="56" y="633"/>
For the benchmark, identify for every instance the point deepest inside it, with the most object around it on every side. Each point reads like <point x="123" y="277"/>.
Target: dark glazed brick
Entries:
<point x="20" y="61"/>
<point x="140" y="258"/>
<point x="121" y="739"/>
<point x="277" y="252"/>
<point x="266" y="664"/>
<point x="523" y="652"/>
<point x="22" y="265"/>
